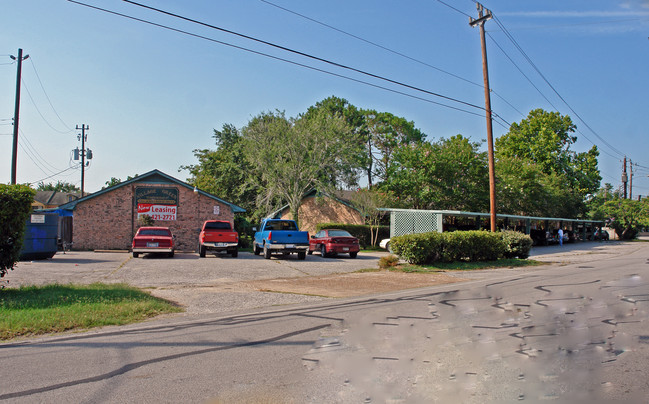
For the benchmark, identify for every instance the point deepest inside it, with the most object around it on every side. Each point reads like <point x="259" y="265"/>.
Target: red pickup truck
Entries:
<point x="218" y="236"/>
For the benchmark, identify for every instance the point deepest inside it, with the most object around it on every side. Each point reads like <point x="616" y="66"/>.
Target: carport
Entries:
<point x="409" y="221"/>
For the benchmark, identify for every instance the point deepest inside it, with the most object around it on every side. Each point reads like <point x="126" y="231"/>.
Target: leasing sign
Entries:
<point x="159" y="203"/>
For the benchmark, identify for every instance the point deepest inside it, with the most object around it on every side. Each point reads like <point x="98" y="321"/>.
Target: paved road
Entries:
<point x="567" y="332"/>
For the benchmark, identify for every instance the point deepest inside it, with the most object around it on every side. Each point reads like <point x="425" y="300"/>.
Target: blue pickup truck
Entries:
<point x="279" y="236"/>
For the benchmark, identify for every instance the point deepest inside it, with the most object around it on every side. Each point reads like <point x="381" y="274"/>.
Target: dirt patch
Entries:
<point x="352" y="284"/>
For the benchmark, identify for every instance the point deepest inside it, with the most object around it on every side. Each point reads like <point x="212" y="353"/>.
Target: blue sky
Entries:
<point x="151" y="96"/>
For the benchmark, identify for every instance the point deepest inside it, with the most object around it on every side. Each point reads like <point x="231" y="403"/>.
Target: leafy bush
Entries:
<point x="516" y="244"/>
<point x="472" y="246"/>
<point x="449" y="247"/>
<point x="15" y="206"/>
<point x="418" y="248"/>
<point x="360" y="231"/>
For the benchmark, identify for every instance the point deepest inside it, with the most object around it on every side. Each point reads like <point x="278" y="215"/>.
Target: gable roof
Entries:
<point x="55" y="198"/>
<point x="152" y="177"/>
<point x="341" y="196"/>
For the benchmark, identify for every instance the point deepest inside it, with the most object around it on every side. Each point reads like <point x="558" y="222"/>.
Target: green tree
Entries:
<point x="625" y="216"/>
<point x="357" y="135"/>
<point x="15" y="205"/>
<point x="289" y="157"/>
<point x="523" y="188"/>
<point x="385" y="134"/>
<point x="60" y="186"/>
<point x="448" y="174"/>
<point x="112" y="182"/>
<point x="544" y="139"/>
<point x="225" y="171"/>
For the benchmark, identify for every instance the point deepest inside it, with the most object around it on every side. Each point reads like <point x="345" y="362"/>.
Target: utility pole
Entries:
<point x="482" y="18"/>
<point x="14" y="153"/>
<point x="624" y="177"/>
<point x="83" y="154"/>
<point x="630" y="179"/>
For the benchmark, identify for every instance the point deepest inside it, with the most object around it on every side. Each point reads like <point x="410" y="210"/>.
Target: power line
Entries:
<point x="36" y="151"/>
<point x="53" y="175"/>
<point x="394" y="51"/>
<point x="48" y="98"/>
<point x="300" y="53"/>
<point x="529" y="60"/>
<point x="278" y="58"/>
<point x="39" y="111"/>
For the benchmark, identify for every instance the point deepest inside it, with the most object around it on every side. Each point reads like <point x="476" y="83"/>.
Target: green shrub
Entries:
<point x="516" y="244"/>
<point x="360" y="231"/>
<point x="15" y="206"/>
<point x="418" y="248"/>
<point x="470" y="246"/>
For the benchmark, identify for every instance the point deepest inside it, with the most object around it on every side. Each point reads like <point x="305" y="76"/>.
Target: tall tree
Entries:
<point x="224" y="171"/>
<point x="385" y="134"/>
<point x="544" y="139"/>
<point x="357" y="135"/>
<point x="288" y="157"/>
<point x="448" y="174"/>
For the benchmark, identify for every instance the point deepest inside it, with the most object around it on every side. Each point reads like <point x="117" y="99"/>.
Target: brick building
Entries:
<point x="319" y="207"/>
<point x="108" y="219"/>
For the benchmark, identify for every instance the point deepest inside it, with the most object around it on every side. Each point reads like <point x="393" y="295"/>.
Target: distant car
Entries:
<point x="333" y="242"/>
<point x="601" y="235"/>
<point x="385" y="243"/>
<point x="153" y="240"/>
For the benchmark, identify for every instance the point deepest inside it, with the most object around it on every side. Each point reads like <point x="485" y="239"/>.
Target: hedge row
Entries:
<point x="360" y="231"/>
<point x="477" y="245"/>
<point x="15" y="206"/>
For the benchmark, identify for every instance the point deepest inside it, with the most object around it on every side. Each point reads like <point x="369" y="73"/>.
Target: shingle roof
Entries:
<point x="154" y="176"/>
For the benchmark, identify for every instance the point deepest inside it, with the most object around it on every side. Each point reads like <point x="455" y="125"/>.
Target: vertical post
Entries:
<point x="630" y="179"/>
<point x="83" y="155"/>
<point x="14" y="152"/>
<point x="624" y="177"/>
<point x="490" y="141"/>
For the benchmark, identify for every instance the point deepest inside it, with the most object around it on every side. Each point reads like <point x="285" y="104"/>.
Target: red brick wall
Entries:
<point x="323" y="210"/>
<point x="108" y="221"/>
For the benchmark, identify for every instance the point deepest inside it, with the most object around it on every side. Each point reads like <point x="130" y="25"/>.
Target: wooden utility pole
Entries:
<point x="83" y="154"/>
<point x="625" y="179"/>
<point x="14" y="152"/>
<point x="482" y="18"/>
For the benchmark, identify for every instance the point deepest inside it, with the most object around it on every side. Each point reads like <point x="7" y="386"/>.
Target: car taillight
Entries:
<point x="270" y="235"/>
<point x="236" y="236"/>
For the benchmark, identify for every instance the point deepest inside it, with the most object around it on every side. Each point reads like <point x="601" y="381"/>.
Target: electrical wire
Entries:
<point x="24" y="137"/>
<point x="53" y="175"/>
<point x="394" y="51"/>
<point x="31" y="60"/>
<point x="279" y="58"/>
<point x="529" y="60"/>
<point x="39" y="111"/>
<point x="303" y="54"/>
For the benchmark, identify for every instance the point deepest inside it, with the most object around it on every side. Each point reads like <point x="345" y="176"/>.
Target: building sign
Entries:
<point x="159" y="203"/>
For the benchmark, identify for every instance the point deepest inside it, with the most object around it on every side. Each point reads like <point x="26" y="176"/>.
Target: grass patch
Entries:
<point x="467" y="266"/>
<point x="36" y="310"/>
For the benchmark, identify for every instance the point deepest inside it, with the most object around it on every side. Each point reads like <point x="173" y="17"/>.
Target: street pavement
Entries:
<point x="572" y="331"/>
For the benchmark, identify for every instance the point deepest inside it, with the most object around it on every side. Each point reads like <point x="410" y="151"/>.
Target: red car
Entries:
<point x="153" y="240"/>
<point x="333" y="242"/>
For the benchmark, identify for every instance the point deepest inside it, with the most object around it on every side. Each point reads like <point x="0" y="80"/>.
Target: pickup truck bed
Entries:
<point x="278" y="236"/>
